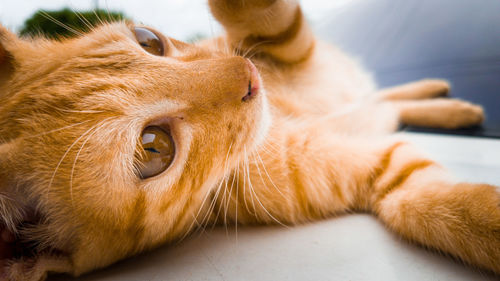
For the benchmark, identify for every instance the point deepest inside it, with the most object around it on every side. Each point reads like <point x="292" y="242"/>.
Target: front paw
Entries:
<point x="440" y="113"/>
<point x="462" y="114"/>
<point x="254" y="16"/>
<point x="240" y="5"/>
<point x="34" y="268"/>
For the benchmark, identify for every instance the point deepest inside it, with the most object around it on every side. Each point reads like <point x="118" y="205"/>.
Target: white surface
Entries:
<point x="470" y="159"/>
<point x="351" y="247"/>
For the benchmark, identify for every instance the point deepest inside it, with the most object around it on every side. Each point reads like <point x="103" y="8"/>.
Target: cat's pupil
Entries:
<point x="149" y="41"/>
<point x="151" y="149"/>
<point x="157" y="154"/>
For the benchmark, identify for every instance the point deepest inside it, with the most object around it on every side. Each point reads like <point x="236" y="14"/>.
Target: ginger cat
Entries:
<point x="123" y="139"/>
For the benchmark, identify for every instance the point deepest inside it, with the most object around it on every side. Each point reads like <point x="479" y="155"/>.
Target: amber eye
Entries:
<point x="157" y="153"/>
<point x="149" y="41"/>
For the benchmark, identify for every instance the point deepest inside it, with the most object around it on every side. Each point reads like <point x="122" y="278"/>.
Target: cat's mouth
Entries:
<point x="14" y="246"/>
<point x="19" y="245"/>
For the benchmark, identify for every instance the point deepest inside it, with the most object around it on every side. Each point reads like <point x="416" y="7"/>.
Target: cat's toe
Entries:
<point x="35" y="268"/>
<point x="464" y="114"/>
<point x="436" y="87"/>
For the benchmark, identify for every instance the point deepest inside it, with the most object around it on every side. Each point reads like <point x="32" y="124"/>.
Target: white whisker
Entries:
<point x="268" y="176"/>
<point x="82" y="18"/>
<point x="230" y="196"/>
<point x="54" y="20"/>
<point x="225" y="180"/>
<point x="64" y="156"/>
<point x="56" y="130"/>
<point x="78" y="154"/>
<point x="246" y="174"/>
<point x="265" y="210"/>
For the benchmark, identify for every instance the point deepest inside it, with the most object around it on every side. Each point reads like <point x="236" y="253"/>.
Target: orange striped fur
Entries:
<point x="312" y="144"/>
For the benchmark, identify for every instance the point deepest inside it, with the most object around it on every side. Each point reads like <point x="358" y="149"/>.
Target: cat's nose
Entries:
<point x="233" y="80"/>
<point x="254" y="83"/>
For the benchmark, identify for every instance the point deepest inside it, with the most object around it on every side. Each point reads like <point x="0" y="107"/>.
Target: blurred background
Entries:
<point x="400" y="41"/>
<point x="181" y="19"/>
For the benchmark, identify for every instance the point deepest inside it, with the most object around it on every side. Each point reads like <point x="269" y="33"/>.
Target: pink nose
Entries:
<point x="254" y="84"/>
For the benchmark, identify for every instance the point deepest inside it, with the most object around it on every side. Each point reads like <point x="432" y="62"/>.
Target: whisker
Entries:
<point x="225" y="180"/>
<point x="222" y="181"/>
<point x="211" y="207"/>
<point x="244" y="188"/>
<point x="236" y="209"/>
<point x="268" y="176"/>
<point x="54" y="20"/>
<point x="271" y="148"/>
<point x="230" y="193"/>
<point x="264" y="208"/>
<point x="219" y="209"/>
<point x="253" y="47"/>
<point x="82" y="19"/>
<point x="101" y="21"/>
<point x="195" y="218"/>
<point x="246" y="174"/>
<point x="78" y="154"/>
<point x="223" y="200"/>
<point x="107" y="9"/>
<point x="81" y="111"/>
<point x="56" y="130"/>
<point x="64" y="156"/>
<point x="189" y="230"/>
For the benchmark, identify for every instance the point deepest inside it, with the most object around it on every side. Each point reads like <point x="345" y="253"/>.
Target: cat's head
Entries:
<point x="110" y="141"/>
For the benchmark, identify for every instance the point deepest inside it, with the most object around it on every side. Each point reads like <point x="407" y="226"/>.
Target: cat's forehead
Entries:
<point x="121" y="37"/>
<point x="110" y="64"/>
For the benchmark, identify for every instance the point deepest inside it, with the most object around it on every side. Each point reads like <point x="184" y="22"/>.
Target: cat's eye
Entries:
<point x="149" y="41"/>
<point x="157" y="153"/>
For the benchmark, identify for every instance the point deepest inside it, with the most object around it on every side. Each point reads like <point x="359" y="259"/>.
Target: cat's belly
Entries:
<point x="326" y="82"/>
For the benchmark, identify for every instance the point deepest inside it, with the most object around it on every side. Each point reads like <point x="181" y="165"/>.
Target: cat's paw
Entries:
<point x="418" y="90"/>
<point x="462" y="114"/>
<point x="241" y="6"/>
<point x="433" y="88"/>
<point x="34" y="268"/>
<point x="440" y="113"/>
<point x="254" y="17"/>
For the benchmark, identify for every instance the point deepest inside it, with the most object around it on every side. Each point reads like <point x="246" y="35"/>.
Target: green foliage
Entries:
<point x="51" y="23"/>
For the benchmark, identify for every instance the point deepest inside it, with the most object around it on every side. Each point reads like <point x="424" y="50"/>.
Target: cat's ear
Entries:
<point x="7" y="42"/>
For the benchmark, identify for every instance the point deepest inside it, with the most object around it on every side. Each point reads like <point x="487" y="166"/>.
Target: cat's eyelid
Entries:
<point x="170" y="49"/>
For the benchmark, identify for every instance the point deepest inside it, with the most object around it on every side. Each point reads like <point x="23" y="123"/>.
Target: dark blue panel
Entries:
<point x="401" y="41"/>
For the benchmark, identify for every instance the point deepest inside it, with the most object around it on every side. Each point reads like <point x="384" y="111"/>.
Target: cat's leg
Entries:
<point x="423" y="89"/>
<point x="419" y="104"/>
<point x="273" y="28"/>
<point x="384" y="117"/>
<point x="439" y="113"/>
<point x="415" y="199"/>
<point x="306" y="175"/>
